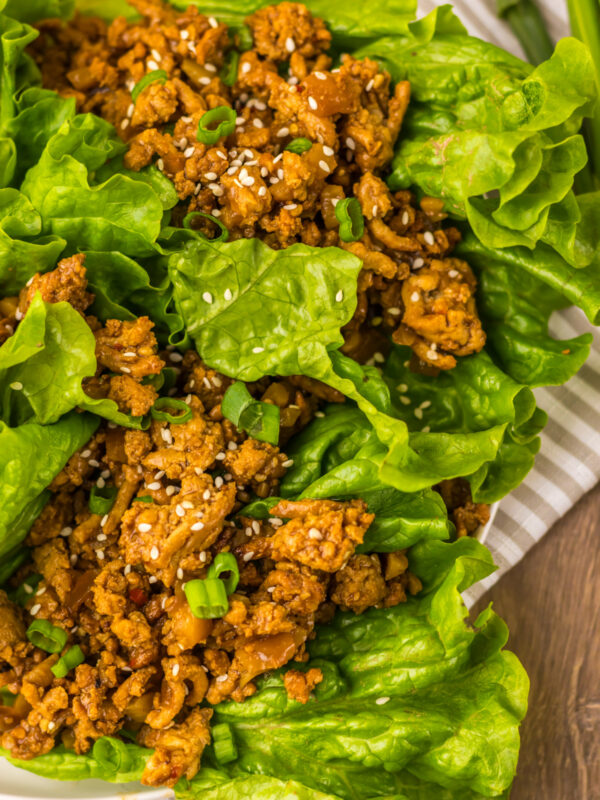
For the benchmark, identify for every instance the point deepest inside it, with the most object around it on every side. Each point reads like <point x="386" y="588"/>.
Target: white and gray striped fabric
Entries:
<point x="568" y="464"/>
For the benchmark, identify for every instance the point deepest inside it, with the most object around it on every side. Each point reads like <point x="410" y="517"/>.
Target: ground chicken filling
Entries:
<point x="284" y="88"/>
<point x="115" y="581"/>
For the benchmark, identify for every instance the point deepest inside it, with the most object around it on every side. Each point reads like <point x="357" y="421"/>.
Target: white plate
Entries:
<point x="18" y="784"/>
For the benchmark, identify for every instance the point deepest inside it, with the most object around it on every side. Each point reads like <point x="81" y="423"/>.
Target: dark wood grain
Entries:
<point x="551" y="602"/>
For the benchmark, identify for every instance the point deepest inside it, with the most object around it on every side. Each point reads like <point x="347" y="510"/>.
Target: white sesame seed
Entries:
<point x="28" y="589"/>
<point x="175" y="670"/>
<point x="453" y="273"/>
<point x="19" y="314"/>
<point x="170" y="490"/>
<point x="290" y="206"/>
<point x="152" y="65"/>
<point x="51" y="725"/>
<point x="217" y="381"/>
<point x="174" y="356"/>
<point x="154" y="553"/>
<point x="432" y="355"/>
<point x="221" y="155"/>
<point x="216" y="189"/>
<point x="327" y="150"/>
<point x="218" y="482"/>
<point x="418" y="412"/>
<point x="101" y="483"/>
<point x="369" y="85"/>
<point x="339" y="296"/>
<point x="429" y="238"/>
<point x="144" y="527"/>
<point x="313" y="103"/>
<point x="249" y="181"/>
<point x="350" y="143"/>
<point x="280" y="174"/>
<point x="156" y="55"/>
<point x="402" y="387"/>
<point x="185" y="35"/>
<point x="258" y="349"/>
<point x="202" y="556"/>
<point x="290" y="44"/>
<point x="418" y="263"/>
<point x="264" y="172"/>
<point x="283" y="132"/>
<point x="124" y="123"/>
<point x="127" y="569"/>
<point x="86" y="453"/>
<point x="258" y="123"/>
<point x="73" y="559"/>
<point x="16" y="385"/>
<point x="404" y="400"/>
<point x="103" y="522"/>
<point x="160" y="164"/>
<point x="210" y="67"/>
<point x="314" y="533"/>
<point x="154" y="486"/>
<point x="319" y="414"/>
<point x="179" y="510"/>
<point x="248" y="556"/>
<point x="100" y="555"/>
<point x="166" y="436"/>
<point x="197" y="526"/>
<point x="216" y="212"/>
<point x="289" y="462"/>
<point x="220" y="456"/>
<point x="213" y="22"/>
<point x="153" y="579"/>
<point x="415" y="297"/>
<point x="41" y="591"/>
<point x="262" y="191"/>
<point x="394" y="311"/>
<point x="207" y="297"/>
<point x="379" y="358"/>
<point x="232" y="446"/>
<point x="248" y="531"/>
<point x="426" y="429"/>
<point x="320" y="76"/>
<point x="204" y="80"/>
<point x="34" y="609"/>
<point x="206" y="495"/>
<point x="189" y="152"/>
<point x="93" y="463"/>
<point x="278" y="158"/>
<point x="425" y="404"/>
<point x="382" y="701"/>
<point x="256" y="526"/>
<point x="324" y="166"/>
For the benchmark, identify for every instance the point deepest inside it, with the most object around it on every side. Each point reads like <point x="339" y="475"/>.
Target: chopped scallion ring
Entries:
<point x="352" y="222"/>
<point x="244" y="39"/>
<point x="102" y="500"/>
<point x="225" y="562"/>
<point x="216" y="124"/>
<point x="222" y="237"/>
<point x="111" y="754"/>
<point x="144" y="498"/>
<point x="259" y="420"/>
<point x="171" y="402"/>
<point x="207" y="598"/>
<point x="299" y="146"/>
<point x="223" y="743"/>
<point x="46" y="636"/>
<point x="230" y="69"/>
<point x="70" y="659"/>
<point x="151" y="77"/>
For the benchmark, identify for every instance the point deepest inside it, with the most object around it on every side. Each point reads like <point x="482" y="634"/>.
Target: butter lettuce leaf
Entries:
<point x="43" y="364"/>
<point x="24" y="474"/>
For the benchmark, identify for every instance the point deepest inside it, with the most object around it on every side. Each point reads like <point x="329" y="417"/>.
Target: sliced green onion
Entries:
<point x="171" y="402"/>
<point x="245" y="39"/>
<point x="151" y="77"/>
<point x="102" y="500"/>
<point x="222" y="237"/>
<point x="43" y="634"/>
<point x="223" y="743"/>
<point x="216" y="124"/>
<point x="259" y="420"/>
<point x="22" y="593"/>
<point x="7" y="698"/>
<point x="207" y="598"/>
<point x="111" y="754"/>
<point x="70" y="659"/>
<point x="144" y="498"/>
<point x="352" y="222"/>
<point x="225" y="562"/>
<point x="299" y="146"/>
<point x="230" y="69"/>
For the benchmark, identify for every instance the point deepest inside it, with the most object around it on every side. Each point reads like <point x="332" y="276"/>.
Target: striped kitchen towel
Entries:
<point x="568" y="464"/>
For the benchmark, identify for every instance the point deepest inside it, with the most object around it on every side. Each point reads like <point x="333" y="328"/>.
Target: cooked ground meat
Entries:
<point x="467" y="516"/>
<point x="286" y="87"/>
<point x="114" y="581"/>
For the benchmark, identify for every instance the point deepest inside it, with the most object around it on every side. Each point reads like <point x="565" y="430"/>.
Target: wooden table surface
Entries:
<point x="551" y="602"/>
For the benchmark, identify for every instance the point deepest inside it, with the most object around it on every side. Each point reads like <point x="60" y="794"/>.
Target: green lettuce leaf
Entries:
<point x="414" y="704"/>
<point x="43" y="364"/>
<point x="482" y="121"/>
<point x="24" y="475"/>
<point x="515" y="306"/>
<point x="121" y="213"/>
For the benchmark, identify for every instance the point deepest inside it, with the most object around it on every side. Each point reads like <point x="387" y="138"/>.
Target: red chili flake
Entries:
<point x="138" y="596"/>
